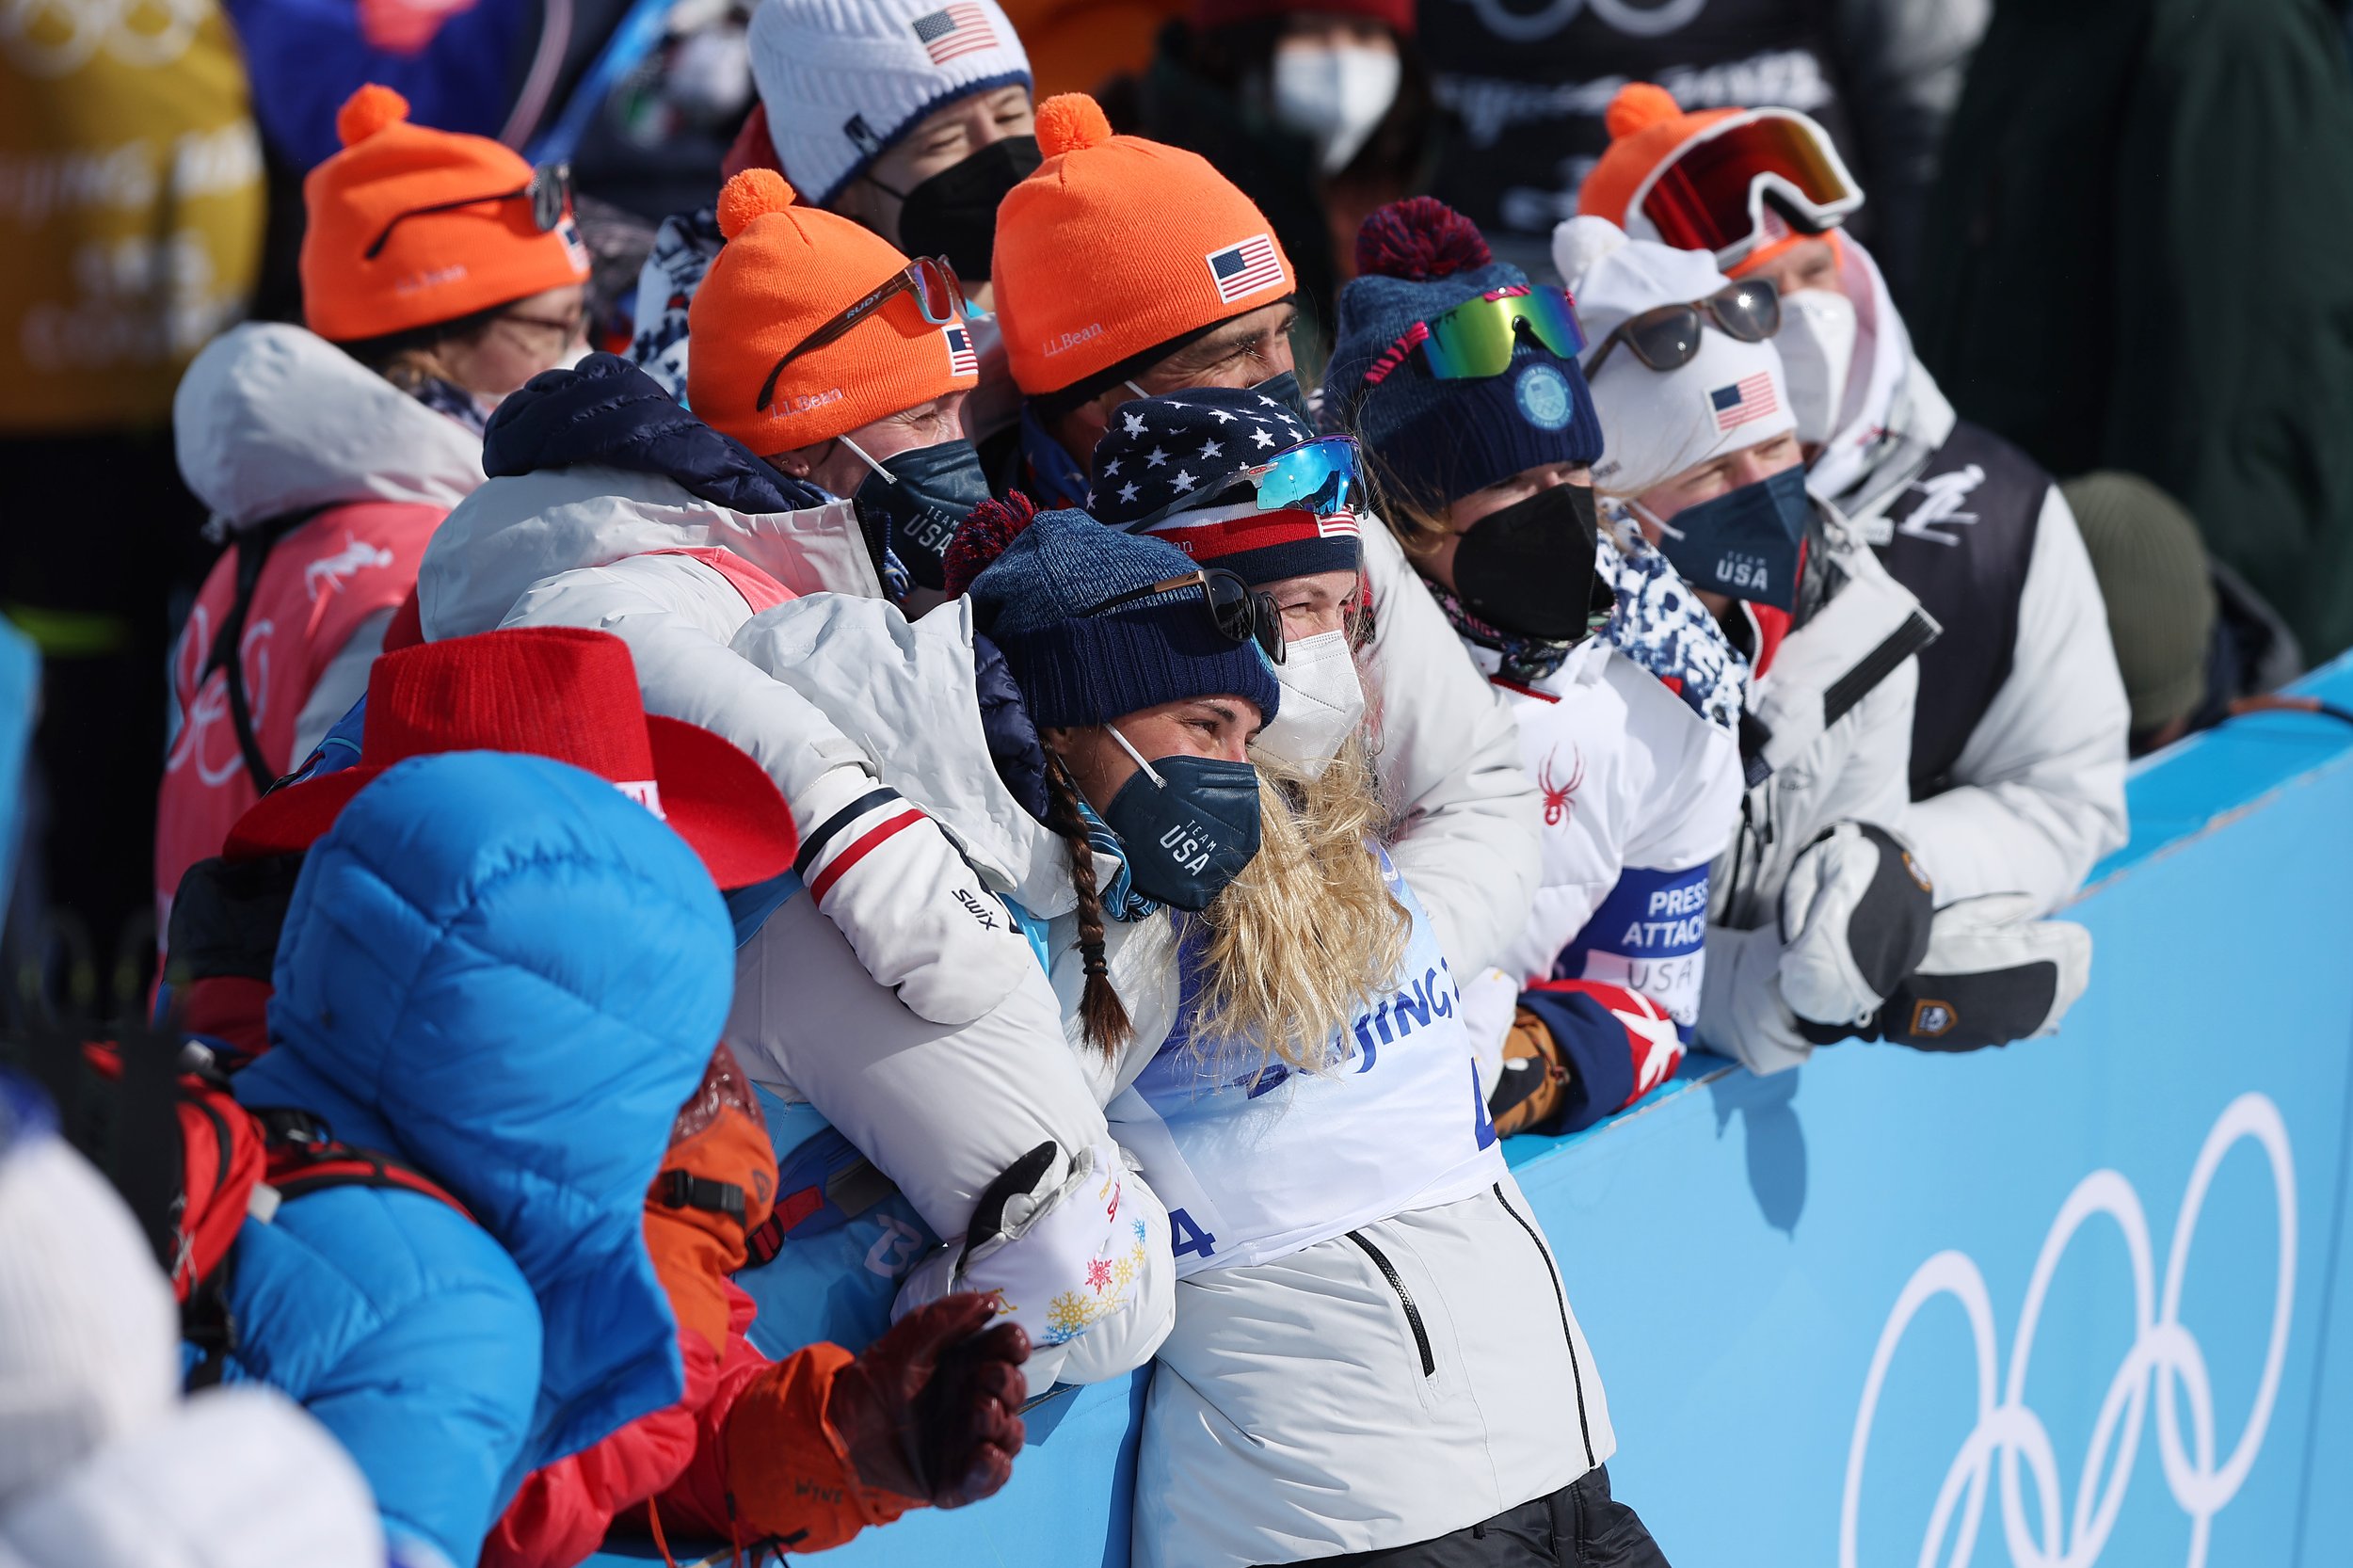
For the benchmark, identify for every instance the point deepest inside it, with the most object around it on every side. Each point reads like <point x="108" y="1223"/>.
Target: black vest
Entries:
<point x="1525" y="84"/>
<point x="1962" y="534"/>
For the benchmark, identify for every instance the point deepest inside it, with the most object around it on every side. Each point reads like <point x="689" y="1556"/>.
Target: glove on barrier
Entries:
<point x="823" y="1443"/>
<point x="717" y="1181"/>
<point x="1055" y="1236"/>
<point x="1991" y="976"/>
<point x="1532" y="1090"/>
<point x="1855" y="918"/>
<point x="1741" y="1012"/>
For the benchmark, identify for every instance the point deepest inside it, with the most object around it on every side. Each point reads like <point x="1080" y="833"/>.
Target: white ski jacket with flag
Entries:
<point x="1399" y="1359"/>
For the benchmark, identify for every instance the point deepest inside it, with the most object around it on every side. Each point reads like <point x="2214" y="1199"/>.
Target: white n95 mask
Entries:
<point x="1334" y="94"/>
<point x="1817" y="343"/>
<point x="1323" y="704"/>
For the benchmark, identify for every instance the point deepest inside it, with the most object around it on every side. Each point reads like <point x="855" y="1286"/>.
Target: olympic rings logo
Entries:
<point x="2162" y="1349"/>
<point x="1630" y="17"/>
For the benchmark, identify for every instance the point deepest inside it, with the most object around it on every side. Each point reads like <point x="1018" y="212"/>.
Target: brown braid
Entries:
<point x="1101" y="1010"/>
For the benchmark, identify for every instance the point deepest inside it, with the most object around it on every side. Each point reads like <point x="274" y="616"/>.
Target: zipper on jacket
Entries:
<point x="1560" y="1297"/>
<point x="1413" y="1316"/>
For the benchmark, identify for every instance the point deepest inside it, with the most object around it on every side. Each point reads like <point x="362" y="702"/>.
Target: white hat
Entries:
<point x="843" y="79"/>
<point x="1654" y="424"/>
<point x="90" y="1335"/>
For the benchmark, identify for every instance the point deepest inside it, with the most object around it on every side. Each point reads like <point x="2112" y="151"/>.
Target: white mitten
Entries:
<point x="1991" y="976"/>
<point x="918" y="915"/>
<point x="1855" y="917"/>
<point x="1741" y="1012"/>
<point x="1059" y="1241"/>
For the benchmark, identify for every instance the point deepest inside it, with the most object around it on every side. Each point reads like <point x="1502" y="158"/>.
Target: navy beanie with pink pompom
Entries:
<point x="1435" y="440"/>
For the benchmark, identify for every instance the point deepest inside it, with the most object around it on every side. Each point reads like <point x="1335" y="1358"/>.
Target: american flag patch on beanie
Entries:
<point x="961" y="359"/>
<point x="956" y="31"/>
<point x="1749" y="398"/>
<point x="1244" y="268"/>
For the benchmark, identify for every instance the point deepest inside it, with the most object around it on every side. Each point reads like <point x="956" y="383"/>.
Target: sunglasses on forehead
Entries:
<point x="1668" y="338"/>
<point x="939" y="293"/>
<point x="1241" y="611"/>
<point x="548" y="190"/>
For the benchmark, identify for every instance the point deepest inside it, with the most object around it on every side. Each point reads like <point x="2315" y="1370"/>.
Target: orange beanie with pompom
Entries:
<point x="785" y="272"/>
<point x="410" y="227"/>
<point x="1116" y="245"/>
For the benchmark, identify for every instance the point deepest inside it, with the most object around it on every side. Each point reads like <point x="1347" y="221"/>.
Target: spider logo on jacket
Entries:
<point x="1559" y="806"/>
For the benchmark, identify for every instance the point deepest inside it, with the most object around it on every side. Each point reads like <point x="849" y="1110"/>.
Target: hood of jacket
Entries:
<point x="593" y="464"/>
<point x="908" y="694"/>
<point x="272" y="420"/>
<point x="502" y="970"/>
<point x="1897" y="415"/>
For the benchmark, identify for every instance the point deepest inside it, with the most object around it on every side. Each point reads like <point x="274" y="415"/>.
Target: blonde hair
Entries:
<point x="1309" y="933"/>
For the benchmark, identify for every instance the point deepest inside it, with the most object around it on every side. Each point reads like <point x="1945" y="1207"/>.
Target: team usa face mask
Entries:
<point x="1743" y="544"/>
<point x="925" y="491"/>
<point x="1188" y="823"/>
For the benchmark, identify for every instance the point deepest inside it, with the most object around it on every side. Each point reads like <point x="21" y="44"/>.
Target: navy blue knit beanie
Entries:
<point x="1037" y="601"/>
<point x="1433" y="440"/>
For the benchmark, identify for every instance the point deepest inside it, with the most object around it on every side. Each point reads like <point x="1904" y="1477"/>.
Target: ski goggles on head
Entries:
<point x="1668" y="337"/>
<point x="1710" y="195"/>
<point x="1242" y="613"/>
<point x="938" y="293"/>
<point x="1322" y="477"/>
<point x="1477" y="338"/>
<point x="548" y="190"/>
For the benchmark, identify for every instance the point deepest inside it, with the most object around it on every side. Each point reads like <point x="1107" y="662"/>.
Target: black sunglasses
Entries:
<point x="1668" y="337"/>
<point x="1241" y="611"/>
<point x="549" y="190"/>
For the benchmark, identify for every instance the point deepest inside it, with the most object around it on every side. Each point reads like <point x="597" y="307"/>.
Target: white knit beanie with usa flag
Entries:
<point x="1657" y="424"/>
<point x="844" y="79"/>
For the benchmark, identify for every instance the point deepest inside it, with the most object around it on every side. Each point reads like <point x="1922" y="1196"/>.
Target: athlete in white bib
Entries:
<point x="1461" y="379"/>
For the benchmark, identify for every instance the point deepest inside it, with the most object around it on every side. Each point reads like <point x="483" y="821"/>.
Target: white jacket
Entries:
<point x="1855" y="767"/>
<point x="1630" y="779"/>
<point x="1274" y="1349"/>
<point x="1470" y="817"/>
<point x="2038" y="794"/>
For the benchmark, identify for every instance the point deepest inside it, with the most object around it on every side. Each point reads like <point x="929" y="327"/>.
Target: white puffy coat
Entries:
<point x="1854" y="768"/>
<point x="2038" y="794"/>
<point x="1300" y="1408"/>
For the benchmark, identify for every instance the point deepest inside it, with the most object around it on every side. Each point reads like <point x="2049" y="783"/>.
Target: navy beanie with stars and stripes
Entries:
<point x="1168" y="467"/>
<point x="1040" y="600"/>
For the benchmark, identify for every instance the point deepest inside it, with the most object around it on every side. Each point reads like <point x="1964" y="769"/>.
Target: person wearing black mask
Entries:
<point x="1824" y="922"/>
<point x="911" y="121"/>
<point x="1461" y="378"/>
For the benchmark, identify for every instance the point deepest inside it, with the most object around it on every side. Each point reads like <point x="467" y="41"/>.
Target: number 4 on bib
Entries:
<point x="1184" y="1236"/>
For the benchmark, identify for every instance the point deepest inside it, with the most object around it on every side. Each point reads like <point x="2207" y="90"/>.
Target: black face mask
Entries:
<point x="928" y="492"/>
<point x="1529" y="568"/>
<point x="954" y="214"/>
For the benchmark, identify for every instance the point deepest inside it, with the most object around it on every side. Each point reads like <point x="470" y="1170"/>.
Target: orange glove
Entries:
<point x="822" y="1445"/>
<point x="715" y="1186"/>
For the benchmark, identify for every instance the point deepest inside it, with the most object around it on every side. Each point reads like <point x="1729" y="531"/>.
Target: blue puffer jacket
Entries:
<point x="506" y="974"/>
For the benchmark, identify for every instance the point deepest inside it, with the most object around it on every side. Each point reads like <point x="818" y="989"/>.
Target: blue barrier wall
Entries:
<point x="2082" y="1300"/>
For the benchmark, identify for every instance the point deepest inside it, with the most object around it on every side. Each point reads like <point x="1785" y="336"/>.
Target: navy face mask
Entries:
<point x="1284" y="388"/>
<point x="925" y="492"/>
<point x="1188" y="823"/>
<point x="1744" y="543"/>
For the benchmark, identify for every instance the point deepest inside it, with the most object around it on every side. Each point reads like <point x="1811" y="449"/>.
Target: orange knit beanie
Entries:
<point x="1116" y="245"/>
<point x="784" y="272"/>
<point x="1646" y="128"/>
<point x="427" y="266"/>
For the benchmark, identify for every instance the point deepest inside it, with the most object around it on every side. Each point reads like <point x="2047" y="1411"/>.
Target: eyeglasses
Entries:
<point x="937" y="292"/>
<point x="1710" y="196"/>
<point x="549" y="189"/>
<point x="1242" y="613"/>
<point x="1668" y="337"/>
<point x="1478" y="337"/>
<point x="1322" y="477"/>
